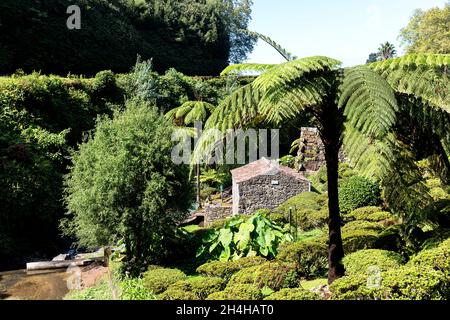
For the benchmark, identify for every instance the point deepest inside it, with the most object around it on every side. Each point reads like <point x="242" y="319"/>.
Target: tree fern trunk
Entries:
<point x="331" y="131"/>
<point x="335" y="248"/>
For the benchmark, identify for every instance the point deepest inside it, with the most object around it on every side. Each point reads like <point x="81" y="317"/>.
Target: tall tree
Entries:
<point x="354" y="107"/>
<point x="428" y="31"/>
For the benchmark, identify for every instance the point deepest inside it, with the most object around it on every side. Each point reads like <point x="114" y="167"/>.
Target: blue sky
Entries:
<point x="347" y="30"/>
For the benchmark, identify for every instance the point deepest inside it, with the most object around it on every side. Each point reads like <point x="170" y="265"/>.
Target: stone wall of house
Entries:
<point x="311" y="153"/>
<point x="268" y="192"/>
<point x="215" y="213"/>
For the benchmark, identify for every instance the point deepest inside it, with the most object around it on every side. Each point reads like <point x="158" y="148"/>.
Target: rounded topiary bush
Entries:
<point x="176" y="294"/>
<point x="158" y="280"/>
<point x="310" y="257"/>
<point x="361" y="239"/>
<point x="405" y="283"/>
<point x="361" y="261"/>
<point x="352" y="287"/>
<point x="225" y="269"/>
<point x="293" y="294"/>
<point x="309" y="210"/>
<point x="361" y="225"/>
<point x="200" y="287"/>
<point x="356" y="192"/>
<point x="412" y="283"/>
<point x="274" y="275"/>
<point x="437" y="258"/>
<point x="238" y="292"/>
<point x="372" y="214"/>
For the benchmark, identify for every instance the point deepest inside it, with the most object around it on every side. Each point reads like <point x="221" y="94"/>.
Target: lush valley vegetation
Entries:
<point x="86" y="160"/>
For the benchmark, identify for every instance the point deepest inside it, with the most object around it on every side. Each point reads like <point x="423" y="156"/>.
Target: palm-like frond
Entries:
<point x="191" y="111"/>
<point x="368" y="101"/>
<point x="424" y="76"/>
<point x="239" y="69"/>
<point x="236" y="110"/>
<point x="284" y="53"/>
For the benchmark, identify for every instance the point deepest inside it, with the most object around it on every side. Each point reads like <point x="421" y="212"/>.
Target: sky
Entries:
<point x="347" y="30"/>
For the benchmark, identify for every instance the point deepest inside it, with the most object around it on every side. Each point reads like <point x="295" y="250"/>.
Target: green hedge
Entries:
<point x="238" y="292"/>
<point x="357" y="192"/>
<point x="225" y="269"/>
<point x="361" y="261"/>
<point x="310" y="257"/>
<point x="274" y="275"/>
<point x="158" y="280"/>
<point x="198" y="287"/>
<point x="293" y="294"/>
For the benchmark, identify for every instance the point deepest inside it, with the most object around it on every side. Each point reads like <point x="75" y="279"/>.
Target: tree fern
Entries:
<point x="284" y="53"/>
<point x="243" y="68"/>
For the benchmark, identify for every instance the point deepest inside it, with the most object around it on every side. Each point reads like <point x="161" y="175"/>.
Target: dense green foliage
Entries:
<point x="308" y="211"/>
<point x="198" y="287"/>
<point x="244" y="237"/>
<point x="195" y="36"/>
<point x="159" y="279"/>
<point x="293" y="294"/>
<point x="123" y="184"/>
<point x="428" y="31"/>
<point x="273" y="274"/>
<point x="357" y="192"/>
<point x="41" y="117"/>
<point x="238" y="292"/>
<point x="361" y="261"/>
<point x="225" y="269"/>
<point x="310" y="257"/>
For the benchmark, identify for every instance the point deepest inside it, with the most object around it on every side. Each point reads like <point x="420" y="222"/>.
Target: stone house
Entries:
<point x="264" y="184"/>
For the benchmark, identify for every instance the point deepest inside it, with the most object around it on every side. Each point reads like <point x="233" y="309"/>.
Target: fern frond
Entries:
<point x="239" y="69"/>
<point x="284" y="53"/>
<point x="191" y="111"/>
<point x="424" y="76"/>
<point x="368" y="101"/>
<point x="236" y="110"/>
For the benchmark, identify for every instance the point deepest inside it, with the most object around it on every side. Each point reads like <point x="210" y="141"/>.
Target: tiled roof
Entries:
<point x="263" y="167"/>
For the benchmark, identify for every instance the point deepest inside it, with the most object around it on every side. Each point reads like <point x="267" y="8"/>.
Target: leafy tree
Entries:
<point x="373" y="57"/>
<point x="355" y="107"/>
<point x="428" y="31"/>
<point x="123" y="184"/>
<point x="194" y="36"/>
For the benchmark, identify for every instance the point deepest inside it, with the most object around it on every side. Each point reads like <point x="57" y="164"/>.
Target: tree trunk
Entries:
<point x="335" y="248"/>
<point x="198" y="185"/>
<point x="331" y="121"/>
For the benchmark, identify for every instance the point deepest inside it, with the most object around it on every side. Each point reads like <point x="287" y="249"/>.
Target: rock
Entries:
<point x="61" y="257"/>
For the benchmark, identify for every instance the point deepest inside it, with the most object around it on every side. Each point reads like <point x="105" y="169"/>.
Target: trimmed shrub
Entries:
<point x="238" y="292"/>
<point x="437" y="258"/>
<point x="309" y="210"/>
<point x="372" y="214"/>
<point x="310" y="257"/>
<point x="201" y="287"/>
<point x="411" y="283"/>
<point x="361" y="225"/>
<point x="357" y="192"/>
<point x="353" y="287"/>
<point x="274" y="275"/>
<point x="225" y="269"/>
<point x="405" y="283"/>
<point x="359" y="240"/>
<point x="361" y="261"/>
<point x="176" y="294"/>
<point x="293" y="294"/>
<point x="158" y="280"/>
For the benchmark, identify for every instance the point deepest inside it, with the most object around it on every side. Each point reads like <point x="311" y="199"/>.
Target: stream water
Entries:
<point x="20" y="285"/>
